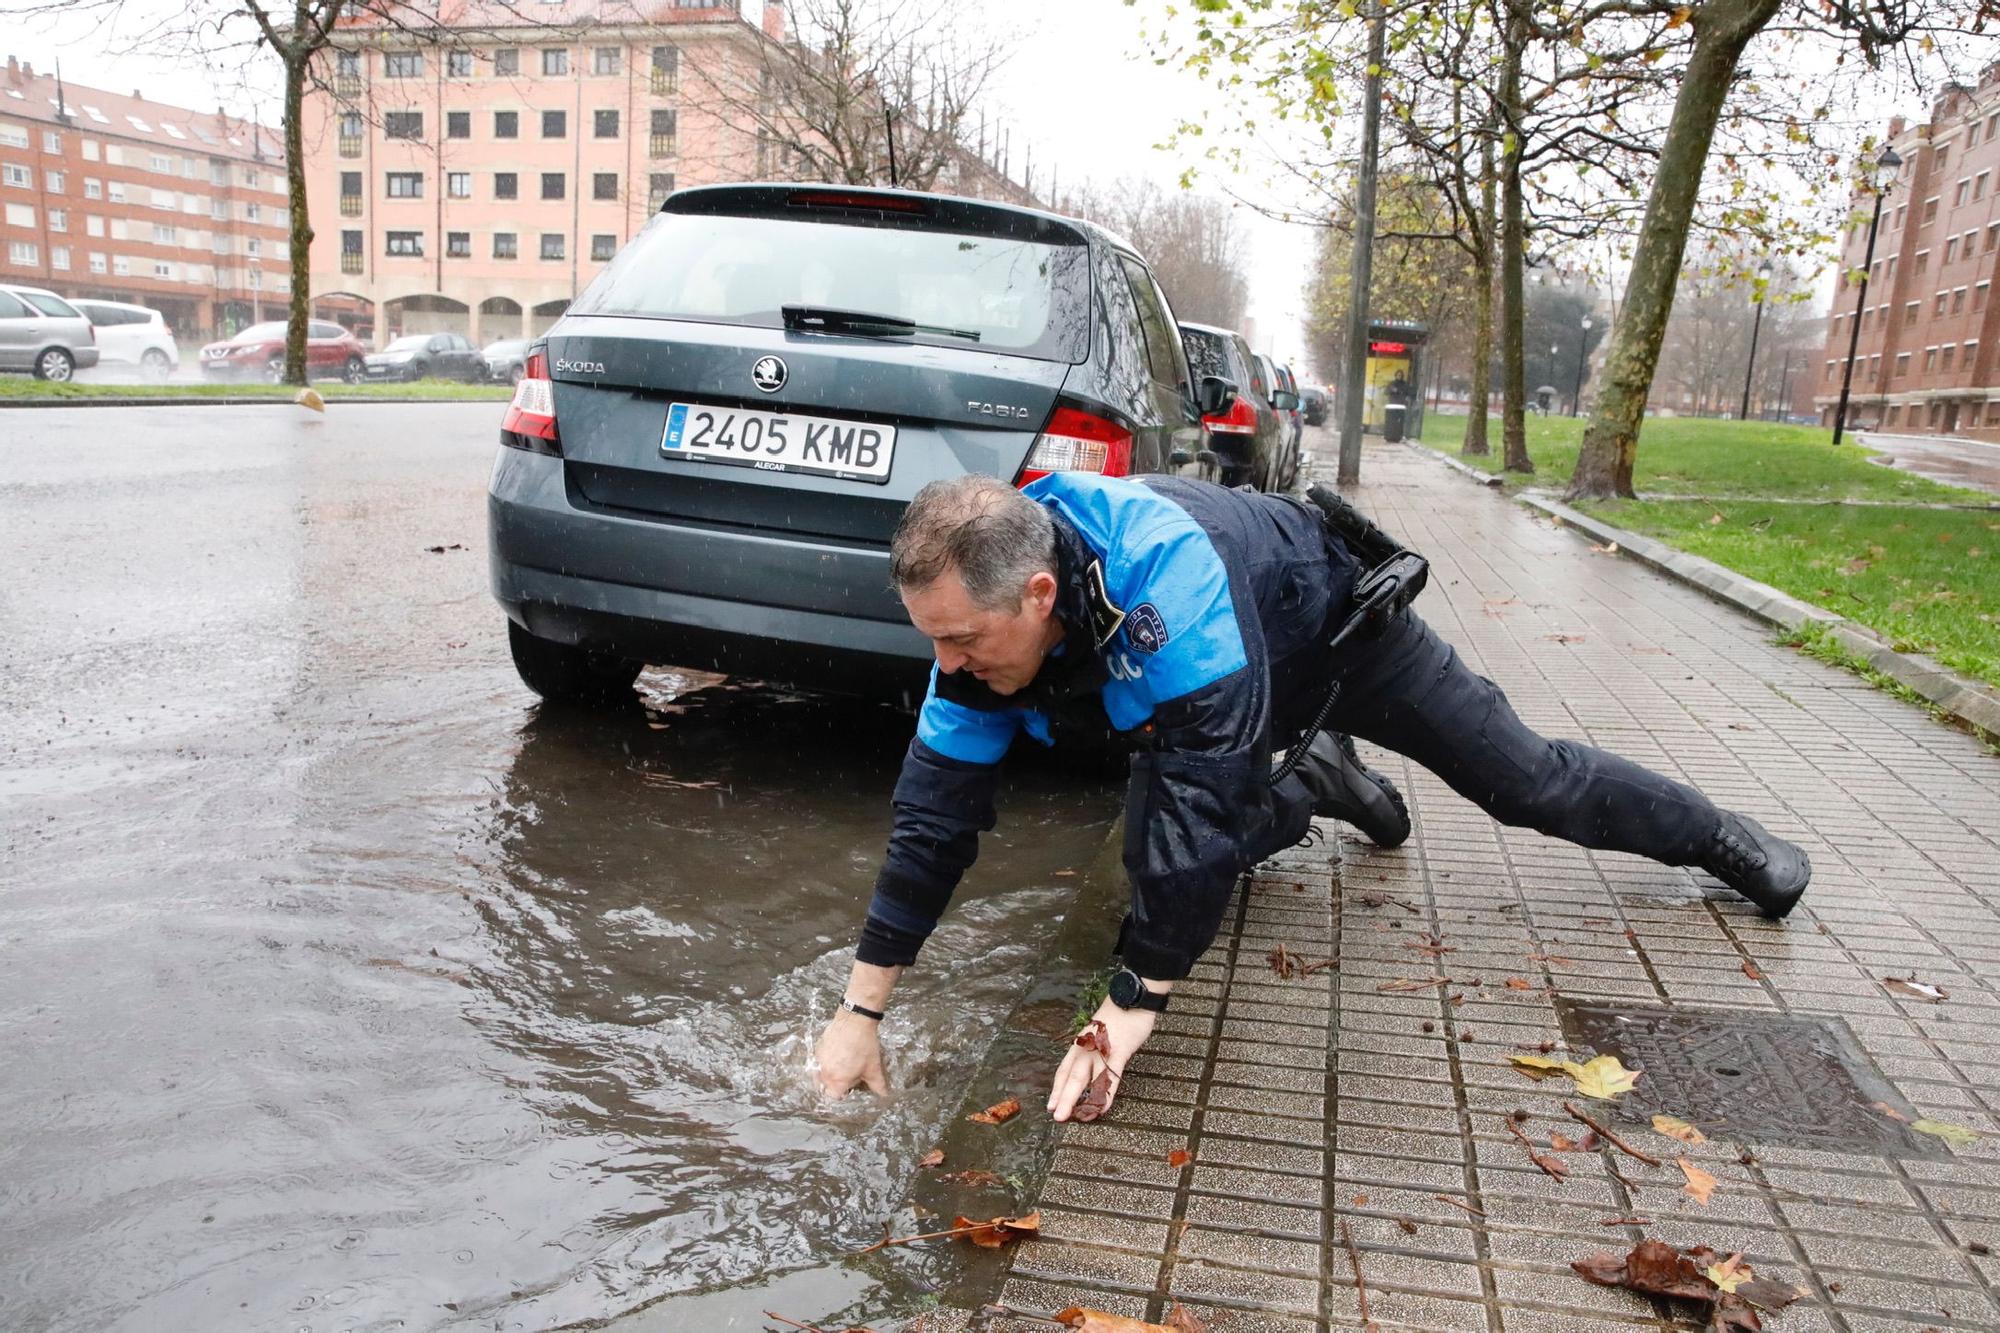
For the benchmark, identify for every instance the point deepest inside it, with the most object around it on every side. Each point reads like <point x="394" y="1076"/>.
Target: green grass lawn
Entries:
<point x="1695" y="456"/>
<point x="1926" y="579"/>
<point x="14" y="388"/>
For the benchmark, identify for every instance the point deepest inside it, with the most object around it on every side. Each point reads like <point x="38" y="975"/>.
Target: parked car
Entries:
<point x="506" y="359"/>
<point x="416" y="356"/>
<point x="1247" y="436"/>
<point x="258" y="353"/>
<point x="1314" y="402"/>
<point x="133" y="335"/>
<point x="707" y="454"/>
<point x="1290" y="425"/>
<point x="43" y="334"/>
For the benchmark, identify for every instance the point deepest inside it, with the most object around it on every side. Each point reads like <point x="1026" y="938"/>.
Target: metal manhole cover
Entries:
<point x="1795" y="1082"/>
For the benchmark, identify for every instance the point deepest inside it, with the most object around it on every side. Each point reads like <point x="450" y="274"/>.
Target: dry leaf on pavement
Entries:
<point x="1179" y="1157"/>
<point x="1000" y="1231"/>
<point x="1603" y="1078"/>
<point x="1958" y="1136"/>
<point x="1676" y="1128"/>
<point x="1183" y="1320"/>
<point x="1911" y="988"/>
<point x="1097" y="1321"/>
<point x="1096" y="1099"/>
<point x="996" y="1113"/>
<point x="935" y="1157"/>
<point x="1730" y="1274"/>
<point x="1537" y="1067"/>
<point x="1700" y="1184"/>
<point x="1519" y="983"/>
<point x="1654" y="1268"/>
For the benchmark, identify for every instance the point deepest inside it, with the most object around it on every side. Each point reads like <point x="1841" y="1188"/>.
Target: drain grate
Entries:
<point x="1794" y="1082"/>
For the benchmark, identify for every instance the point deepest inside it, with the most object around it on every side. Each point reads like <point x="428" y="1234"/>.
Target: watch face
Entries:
<point x="1124" y="989"/>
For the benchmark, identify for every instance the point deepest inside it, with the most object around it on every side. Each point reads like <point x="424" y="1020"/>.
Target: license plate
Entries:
<point x="779" y="442"/>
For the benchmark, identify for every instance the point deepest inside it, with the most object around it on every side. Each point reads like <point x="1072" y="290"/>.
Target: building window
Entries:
<point x="1945" y="355"/>
<point x="506" y="124"/>
<point x="408" y="244"/>
<point x="555" y="124"/>
<point x="1902" y="211"/>
<point x="406" y="184"/>
<point x="1950" y="249"/>
<point x="552" y="245"/>
<point x="121" y="266"/>
<point x="1979" y="185"/>
<point x="505" y="245"/>
<point x="93" y="225"/>
<point x="59" y="221"/>
<point x="458" y="124"/>
<point x="402" y="124"/>
<point x="666" y="76"/>
<point x="347" y="63"/>
<point x="13" y="136"/>
<point x="604" y="185"/>
<point x="1895" y="415"/>
<point x="507" y="61"/>
<point x="458" y="64"/>
<point x="116" y="192"/>
<point x="59" y="258"/>
<point x="606" y="60"/>
<point x="602" y="247"/>
<point x="1930" y="209"/>
<point x="96" y="262"/>
<point x="1923" y="261"/>
<point x="458" y="245"/>
<point x="458" y="184"/>
<point x="1978" y="293"/>
<point x="659" y="185"/>
<point x="552" y="185"/>
<point x="54" y="181"/>
<point x="1930" y="359"/>
<point x="17" y="176"/>
<point x="51" y="141"/>
<point x="1910" y="313"/>
<point x="403" y="64"/>
<point x="555" y="60"/>
<point x="92" y="188"/>
<point x="665" y="133"/>
<point x="506" y="185"/>
<point x="1902" y="364"/>
<point x="27" y="254"/>
<point x="350" y="252"/>
<point x="1942" y="297"/>
<point x="349" y="126"/>
<point x="1958" y="195"/>
<point x="163" y="270"/>
<point x="604" y="124"/>
<point x="20" y="215"/>
<point x="164" y="235"/>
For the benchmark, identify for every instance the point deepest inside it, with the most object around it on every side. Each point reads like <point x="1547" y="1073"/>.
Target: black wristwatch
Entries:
<point x="1128" y="992"/>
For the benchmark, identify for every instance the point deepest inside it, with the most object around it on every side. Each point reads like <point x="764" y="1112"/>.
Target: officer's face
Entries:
<point x="1002" y="648"/>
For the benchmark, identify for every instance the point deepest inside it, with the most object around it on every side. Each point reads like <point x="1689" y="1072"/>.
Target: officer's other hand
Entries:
<point x="850" y="1056"/>
<point x="1126" y="1030"/>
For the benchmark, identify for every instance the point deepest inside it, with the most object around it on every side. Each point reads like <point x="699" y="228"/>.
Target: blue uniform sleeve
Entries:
<point x="943" y="801"/>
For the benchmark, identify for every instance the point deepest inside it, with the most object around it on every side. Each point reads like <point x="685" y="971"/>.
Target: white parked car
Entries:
<point x="132" y="335"/>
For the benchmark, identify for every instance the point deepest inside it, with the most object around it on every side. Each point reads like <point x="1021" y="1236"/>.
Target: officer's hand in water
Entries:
<point x="850" y="1056"/>
<point x="1125" y="1030"/>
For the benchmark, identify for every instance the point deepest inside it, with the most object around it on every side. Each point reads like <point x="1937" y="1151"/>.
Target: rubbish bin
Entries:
<point x="1392" y="422"/>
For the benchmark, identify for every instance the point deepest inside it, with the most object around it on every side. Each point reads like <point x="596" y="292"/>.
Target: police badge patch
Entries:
<point x="1147" y="629"/>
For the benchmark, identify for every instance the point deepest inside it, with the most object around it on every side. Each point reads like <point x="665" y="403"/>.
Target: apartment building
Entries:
<point x="476" y="182"/>
<point x="1925" y="360"/>
<point x="113" y="196"/>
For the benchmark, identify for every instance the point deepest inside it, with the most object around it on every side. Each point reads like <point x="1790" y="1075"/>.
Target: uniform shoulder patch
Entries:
<point x="1146" y="627"/>
<point x="1105" y="617"/>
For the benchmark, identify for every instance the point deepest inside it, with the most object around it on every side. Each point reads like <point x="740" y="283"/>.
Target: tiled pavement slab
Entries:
<point x="1345" y="1121"/>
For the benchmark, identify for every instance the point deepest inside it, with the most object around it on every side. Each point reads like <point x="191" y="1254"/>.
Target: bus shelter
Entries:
<point x="1395" y="370"/>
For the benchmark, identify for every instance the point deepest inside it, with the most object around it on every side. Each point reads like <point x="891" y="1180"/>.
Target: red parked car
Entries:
<point x="258" y="353"/>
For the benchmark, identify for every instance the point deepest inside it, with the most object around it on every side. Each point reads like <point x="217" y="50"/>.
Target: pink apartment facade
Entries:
<point x="476" y="184"/>
<point x="1928" y="357"/>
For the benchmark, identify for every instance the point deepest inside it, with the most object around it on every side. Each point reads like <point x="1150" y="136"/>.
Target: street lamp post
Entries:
<point x="1883" y="178"/>
<point x="1582" y="346"/>
<point x="1764" y="272"/>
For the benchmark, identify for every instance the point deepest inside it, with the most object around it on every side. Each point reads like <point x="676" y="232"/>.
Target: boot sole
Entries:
<point x="1379" y="812"/>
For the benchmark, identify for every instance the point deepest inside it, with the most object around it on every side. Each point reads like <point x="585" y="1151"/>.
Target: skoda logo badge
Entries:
<point x="768" y="374"/>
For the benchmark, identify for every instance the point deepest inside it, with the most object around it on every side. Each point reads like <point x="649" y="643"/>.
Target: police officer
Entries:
<point x="1197" y="620"/>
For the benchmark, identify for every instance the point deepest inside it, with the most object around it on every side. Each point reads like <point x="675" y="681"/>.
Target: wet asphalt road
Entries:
<point x="1954" y="462"/>
<point x="342" y="988"/>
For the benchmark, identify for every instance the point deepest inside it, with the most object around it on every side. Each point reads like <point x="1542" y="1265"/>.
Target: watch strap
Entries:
<point x="862" y="1009"/>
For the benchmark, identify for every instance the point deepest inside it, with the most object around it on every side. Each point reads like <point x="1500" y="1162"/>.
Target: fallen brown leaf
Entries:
<point x="1519" y="983"/>
<point x="1676" y="1128"/>
<point x="1750" y="971"/>
<point x="1183" y="1320"/>
<point x="1097" y="1321"/>
<point x="1179" y="1157"/>
<point x="998" y="1232"/>
<point x="935" y="1157"/>
<point x="1096" y="1099"/>
<point x="1700" y="1184"/>
<point x="1412" y="983"/>
<point x="1562" y="1143"/>
<point x="1911" y="988"/>
<point x="1551" y="1166"/>
<point x="997" y="1113"/>
<point x="1889" y="1111"/>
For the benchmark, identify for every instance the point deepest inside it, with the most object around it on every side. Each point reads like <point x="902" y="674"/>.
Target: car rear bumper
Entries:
<point x="86" y="357"/>
<point x="791" y="608"/>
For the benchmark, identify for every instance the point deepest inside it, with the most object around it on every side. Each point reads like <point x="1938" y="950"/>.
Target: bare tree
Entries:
<point x="861" y="92"/>
<point x="1192" y="242"/>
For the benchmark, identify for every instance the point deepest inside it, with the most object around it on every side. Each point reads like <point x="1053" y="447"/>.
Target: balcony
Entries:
<point x="350" y="263"/>
<point x="350" y="205"/>
<point x="665" y="82"/>
<point x="347" y="85"/>
<point x="662" y="145"/>
<point x="350" y="145"/>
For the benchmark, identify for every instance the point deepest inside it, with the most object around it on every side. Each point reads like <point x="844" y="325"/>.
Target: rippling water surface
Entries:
<point x="341" y="988"/>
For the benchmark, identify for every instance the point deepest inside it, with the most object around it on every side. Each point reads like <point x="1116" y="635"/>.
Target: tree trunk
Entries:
<point x="1513" y="249"/>
<point x="1482" y="328"/>
<point x="1722" y="29"/>
<point x="301" y="221"/>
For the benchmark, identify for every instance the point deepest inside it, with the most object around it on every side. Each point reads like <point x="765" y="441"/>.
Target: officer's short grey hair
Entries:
<point x="995" y="538"/>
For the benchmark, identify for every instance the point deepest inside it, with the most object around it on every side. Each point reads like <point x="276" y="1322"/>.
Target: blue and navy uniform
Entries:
<point x="1187" y="611"/>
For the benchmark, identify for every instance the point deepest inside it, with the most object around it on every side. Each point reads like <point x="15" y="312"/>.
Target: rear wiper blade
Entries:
<point x="822" y="319"/>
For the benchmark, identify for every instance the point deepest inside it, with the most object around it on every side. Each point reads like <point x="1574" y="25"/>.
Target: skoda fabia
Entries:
<point x="706" y="456"/>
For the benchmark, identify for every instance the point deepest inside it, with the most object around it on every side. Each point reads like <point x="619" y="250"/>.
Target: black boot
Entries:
<point x="1344" y="788"/>
<point x="1758" y="864"/>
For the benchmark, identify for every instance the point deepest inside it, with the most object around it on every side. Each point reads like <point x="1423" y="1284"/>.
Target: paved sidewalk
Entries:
<point x="1327" y="1107"/>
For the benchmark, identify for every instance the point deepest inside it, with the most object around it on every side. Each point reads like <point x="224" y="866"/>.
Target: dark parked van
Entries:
<point x="706" y="456"/>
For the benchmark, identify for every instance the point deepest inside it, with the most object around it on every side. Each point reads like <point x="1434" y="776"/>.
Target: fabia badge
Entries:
<point x="768" y="374"/>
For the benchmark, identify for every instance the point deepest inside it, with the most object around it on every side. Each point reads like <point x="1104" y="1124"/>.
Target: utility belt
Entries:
<point x="1392" y="576"/>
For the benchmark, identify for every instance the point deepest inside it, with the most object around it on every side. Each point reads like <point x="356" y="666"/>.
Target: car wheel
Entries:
<point x="564" y="673"/>
<point x="418" y="370"/>
<point x="514" y="373"/>
<point x="274" y="370"/>
<point x="55" y="364"/>
<point x="355" y="371"/>
<point x="156" y="363"/>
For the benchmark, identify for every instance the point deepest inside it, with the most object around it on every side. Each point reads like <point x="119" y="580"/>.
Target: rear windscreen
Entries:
<point x="1025" y="298"/>
<point x="1207" y="355"/>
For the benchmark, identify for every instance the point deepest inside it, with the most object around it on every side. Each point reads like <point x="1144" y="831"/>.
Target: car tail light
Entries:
<point x="1240" y="419"/>
<point x="1078" y="441"/>
<point x="530" y="422"/>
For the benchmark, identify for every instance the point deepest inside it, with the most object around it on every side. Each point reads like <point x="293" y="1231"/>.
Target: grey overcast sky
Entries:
<point x="1076" y="93"/>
